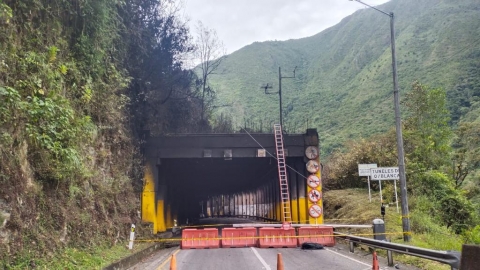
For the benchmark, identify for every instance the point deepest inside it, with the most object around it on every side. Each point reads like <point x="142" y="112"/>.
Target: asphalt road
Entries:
<point x="336" y="257"/>
<point x="329" y="258"/>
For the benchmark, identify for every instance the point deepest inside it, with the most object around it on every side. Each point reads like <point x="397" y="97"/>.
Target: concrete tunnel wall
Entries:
<point x="179" y="188"/>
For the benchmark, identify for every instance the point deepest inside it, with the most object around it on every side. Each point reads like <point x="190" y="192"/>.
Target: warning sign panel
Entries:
<point x="313" y="181"/>
<point x="315" y="211"/>
<point x="314" y="195"/>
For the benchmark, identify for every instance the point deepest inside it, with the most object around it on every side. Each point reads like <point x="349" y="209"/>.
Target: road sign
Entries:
<point x="385" y="173"/>
<point x="314" y="195"/>
<point x="364" y="169"/>
<point x="315" y="211"/>
<point x="312" y="166"/>
<point x="313" y="181"/>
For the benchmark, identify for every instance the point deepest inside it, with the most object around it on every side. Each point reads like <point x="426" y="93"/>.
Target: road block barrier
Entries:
<point x="321" y="235"/>
<point x="239" y="237"/>
<point x="200" y="238"/>
<point x="276" y="238"/>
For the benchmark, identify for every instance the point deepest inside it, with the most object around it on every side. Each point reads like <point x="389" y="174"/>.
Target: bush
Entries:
<point x="447" y="203"/>
<point x="472" y="236"/>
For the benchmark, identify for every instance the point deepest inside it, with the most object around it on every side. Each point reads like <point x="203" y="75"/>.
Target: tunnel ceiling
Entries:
<point x="219" y="176"/>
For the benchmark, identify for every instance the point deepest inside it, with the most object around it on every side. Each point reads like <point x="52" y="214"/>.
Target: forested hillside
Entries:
<point x="80" y="81"/>
<point x="343" y="85"/>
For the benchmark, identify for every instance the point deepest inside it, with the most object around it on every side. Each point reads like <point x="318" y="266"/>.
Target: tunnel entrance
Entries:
<point x="215" y="175"/>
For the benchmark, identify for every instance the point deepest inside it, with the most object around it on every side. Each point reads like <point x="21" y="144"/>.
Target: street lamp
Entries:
<point x="398" y="126"/>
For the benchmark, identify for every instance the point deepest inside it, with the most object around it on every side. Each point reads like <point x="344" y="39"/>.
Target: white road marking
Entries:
<point x="267" y="267"/>
<point x="347" y="257"/>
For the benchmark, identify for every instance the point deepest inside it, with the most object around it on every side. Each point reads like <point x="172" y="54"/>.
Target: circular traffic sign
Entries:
<point x="311" y="152"/>
<point x="314" y="195"/>
<point x="312" y="166"/>
<point x="315" y="211"/>
<point x="313" y="181"/>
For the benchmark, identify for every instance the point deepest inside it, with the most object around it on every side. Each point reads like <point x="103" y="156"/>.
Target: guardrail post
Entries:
<point x="389" y="258"/>
<point x="350" y="243"/>
<point x="389" y="255"/>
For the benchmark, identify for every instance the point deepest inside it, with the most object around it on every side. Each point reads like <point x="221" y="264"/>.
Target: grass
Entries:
<point x="352" y="206"/>
<point x="72" y="258"/>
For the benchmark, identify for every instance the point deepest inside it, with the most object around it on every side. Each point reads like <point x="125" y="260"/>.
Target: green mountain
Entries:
<point x="343" y="85"/>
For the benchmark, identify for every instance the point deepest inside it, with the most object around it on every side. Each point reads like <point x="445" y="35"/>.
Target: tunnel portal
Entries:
<point x="191" y="176"/>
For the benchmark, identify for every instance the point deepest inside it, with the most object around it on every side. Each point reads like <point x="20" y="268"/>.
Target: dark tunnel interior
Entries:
<point x="189" y="181"/>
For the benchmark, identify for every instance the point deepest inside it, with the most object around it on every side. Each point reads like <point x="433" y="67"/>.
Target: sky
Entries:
<point x="239" y="23"/>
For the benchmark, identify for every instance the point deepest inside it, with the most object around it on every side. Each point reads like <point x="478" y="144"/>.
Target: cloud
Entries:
<point x="239" y="23"/>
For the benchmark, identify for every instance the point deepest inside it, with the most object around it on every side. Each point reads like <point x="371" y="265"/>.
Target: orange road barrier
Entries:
<point x="277" y="238"/>
<point x="375" y="265"/>
<point x="200" y="238"/>
<point x="239" y="237"/>
<point x="279" y="262"/>
<point x="321" y="235"/>
<point x="173" y="263"/>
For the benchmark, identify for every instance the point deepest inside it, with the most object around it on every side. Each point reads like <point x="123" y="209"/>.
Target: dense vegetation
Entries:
<point x="80" y="81"/>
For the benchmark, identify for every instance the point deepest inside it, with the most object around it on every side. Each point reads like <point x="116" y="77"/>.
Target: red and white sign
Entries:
<point x="315" y="211"/>
<point x="314" y="195"/>
<point x="313" y="181"/>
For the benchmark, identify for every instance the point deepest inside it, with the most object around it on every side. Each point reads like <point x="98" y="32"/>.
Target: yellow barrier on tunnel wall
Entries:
<point x="160" y="217"/>
<point x="294" y="207"/>
<point x="148" y="197"/>
<point x="302" y="209"/>
<point x="169" y="218"/>
<point x="278" y="207"/>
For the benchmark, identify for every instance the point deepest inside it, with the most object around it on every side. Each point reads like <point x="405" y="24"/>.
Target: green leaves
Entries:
<point x="427" y="133"/>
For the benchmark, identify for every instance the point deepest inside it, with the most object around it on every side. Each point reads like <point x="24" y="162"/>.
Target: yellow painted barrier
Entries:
<point x="148" y="197"/>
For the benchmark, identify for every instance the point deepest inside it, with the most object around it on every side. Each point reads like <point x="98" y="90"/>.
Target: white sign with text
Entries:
<point x="385" y="173"/>
<point x="364" y="169"/>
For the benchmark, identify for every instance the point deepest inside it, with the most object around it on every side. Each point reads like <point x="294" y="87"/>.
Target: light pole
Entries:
<point x="267" y="86"/>
<point x="398" y="126"/>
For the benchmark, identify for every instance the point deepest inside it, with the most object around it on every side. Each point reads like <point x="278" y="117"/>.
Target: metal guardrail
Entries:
<point x="451" y="258"/>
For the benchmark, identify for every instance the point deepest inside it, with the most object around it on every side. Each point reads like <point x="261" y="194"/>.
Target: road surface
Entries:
<point x="337" y="258"/>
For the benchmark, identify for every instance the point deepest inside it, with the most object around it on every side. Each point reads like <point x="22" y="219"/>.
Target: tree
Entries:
<point x="467" y="155"/>
<point x="210" y="51"/>
<point x="161" y="92"/>
<point x="427" y="134"/>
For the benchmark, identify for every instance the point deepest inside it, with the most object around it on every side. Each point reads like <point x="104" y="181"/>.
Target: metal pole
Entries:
<point x="280" y="94"/>
<point x="380" y="183"/>
<point x="398" y="125"/>
<point x="396" y="196"/>
<point x="369" y="192"/>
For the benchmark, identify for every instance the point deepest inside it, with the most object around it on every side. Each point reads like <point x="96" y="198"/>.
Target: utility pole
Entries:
<point x="267" y="86"/>
<point x="398" y="127"/>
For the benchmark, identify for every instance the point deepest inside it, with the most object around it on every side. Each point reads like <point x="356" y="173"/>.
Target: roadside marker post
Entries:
<point x="132" y="237"/>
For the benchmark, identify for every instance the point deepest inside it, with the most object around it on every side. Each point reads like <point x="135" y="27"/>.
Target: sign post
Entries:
<point x="386" y="173"/>
<point x="364" y="170"/>
<point x="396" y="196"/>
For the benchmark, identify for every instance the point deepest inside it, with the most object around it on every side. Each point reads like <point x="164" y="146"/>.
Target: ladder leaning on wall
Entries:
<point x="282" y="174"/>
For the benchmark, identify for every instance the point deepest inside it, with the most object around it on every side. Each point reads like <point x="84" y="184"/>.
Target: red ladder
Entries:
<point x="282" y="174"/>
